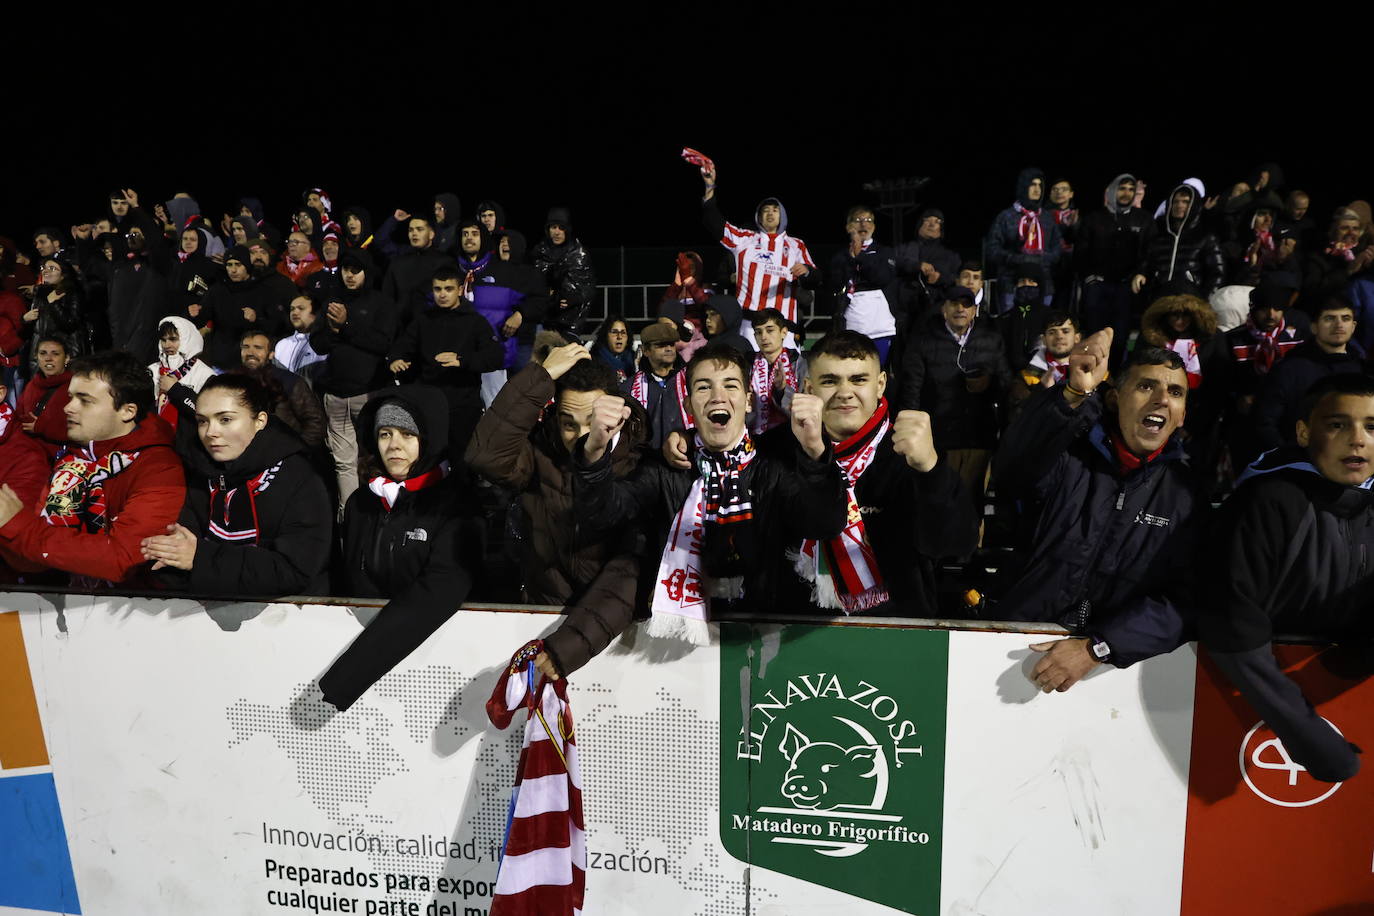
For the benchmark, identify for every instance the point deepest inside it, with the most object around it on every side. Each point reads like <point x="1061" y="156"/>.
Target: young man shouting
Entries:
<point x="721" y="529"/>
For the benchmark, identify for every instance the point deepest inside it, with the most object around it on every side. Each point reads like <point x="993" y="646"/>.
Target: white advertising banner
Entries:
<point x="195" y="769"/>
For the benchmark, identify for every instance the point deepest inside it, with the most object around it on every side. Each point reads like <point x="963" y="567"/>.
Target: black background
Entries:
<point x="591" y="110"/>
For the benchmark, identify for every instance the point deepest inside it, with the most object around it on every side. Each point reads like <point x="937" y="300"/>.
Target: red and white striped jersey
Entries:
<point x="763" y="266"/>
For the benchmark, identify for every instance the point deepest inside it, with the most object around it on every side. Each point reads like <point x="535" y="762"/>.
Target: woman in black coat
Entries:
<point x="256" y="521"/>
<point x="57" y="308"/>
<point x="407" y="537"/>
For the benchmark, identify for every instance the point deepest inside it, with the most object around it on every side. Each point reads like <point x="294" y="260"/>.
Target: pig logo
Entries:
<point x="825" y="776"/>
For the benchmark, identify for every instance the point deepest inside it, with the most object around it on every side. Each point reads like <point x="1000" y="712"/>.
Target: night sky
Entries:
<point x="387" y="115"/>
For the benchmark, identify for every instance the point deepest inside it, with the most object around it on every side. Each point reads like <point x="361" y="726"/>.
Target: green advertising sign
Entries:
<point x="832" y="759"/>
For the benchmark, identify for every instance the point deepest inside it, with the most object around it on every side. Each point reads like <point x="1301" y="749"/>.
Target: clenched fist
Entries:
<point x="912" y="439"/>
<point x="806" y="424"/>
<point x="609" y="413"/>
<point x="1088" y="365"/>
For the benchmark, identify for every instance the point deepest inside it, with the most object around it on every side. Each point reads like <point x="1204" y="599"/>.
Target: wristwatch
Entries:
<point x="1098" y="648"/>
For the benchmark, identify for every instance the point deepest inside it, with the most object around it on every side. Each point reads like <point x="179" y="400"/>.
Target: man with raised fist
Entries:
<point x="1118" y="511"/>
<point x="718" y="531"/>
<point x="906" y="507"/>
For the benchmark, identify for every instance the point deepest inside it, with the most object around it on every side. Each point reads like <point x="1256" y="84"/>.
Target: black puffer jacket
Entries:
<point x="567" y="272"/>
<point x="1111" y="554"/>
<point x="263" y="520"/>
<point x="1290" y="555"/>
<point x="419" y="554"/>
<point x="934" y="373"/>
<point x="1182" y="256"/>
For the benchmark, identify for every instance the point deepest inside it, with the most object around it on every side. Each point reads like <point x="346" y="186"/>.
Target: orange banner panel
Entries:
<point x="21" y="733"/>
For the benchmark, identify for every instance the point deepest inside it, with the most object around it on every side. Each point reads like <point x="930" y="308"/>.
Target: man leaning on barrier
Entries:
<point x="1118" y="512"/>
<point x="1290" y="555"/>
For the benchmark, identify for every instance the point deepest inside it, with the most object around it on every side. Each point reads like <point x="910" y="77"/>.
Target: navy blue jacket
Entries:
<point x="1290" y="554"/>
<point x="1122" y="544"/>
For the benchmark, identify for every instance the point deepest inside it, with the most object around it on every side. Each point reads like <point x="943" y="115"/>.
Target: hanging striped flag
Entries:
<point x="543" y="864"/>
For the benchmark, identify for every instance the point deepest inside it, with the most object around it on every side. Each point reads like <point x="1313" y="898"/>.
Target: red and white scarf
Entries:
<point x="6" y="415"/>
<point x="1265" y="349"/>
<point x="1186" y="347"/>
<point x="1057" y="368"/>
<point x="1032" y="238"/>
<point x="843" y="571"/>
<point x="76" y="491"/>
<point x="388" y="490"/>
<point x="683" y="590"/>
<point x="228" y="520"/>
<point x="769" y="412"/>
<point x="639" y="390"/>
<point x="543" y="865"/>
<point x="166" y="409"/>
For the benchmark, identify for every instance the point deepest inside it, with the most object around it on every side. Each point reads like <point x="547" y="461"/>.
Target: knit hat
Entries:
<point x="658" y="333"/>
<point x="394" y="414"/>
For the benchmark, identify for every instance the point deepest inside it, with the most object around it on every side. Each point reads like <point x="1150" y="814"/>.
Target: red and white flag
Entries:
<point x="544" y="856"/>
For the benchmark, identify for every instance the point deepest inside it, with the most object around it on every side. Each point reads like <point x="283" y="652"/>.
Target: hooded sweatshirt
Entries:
<point x="185" y="367"/>
<point x="496" y="293"/>
<point x="1110" y="241"/>
<point x="446" y="233"/>
<point x="1024" y="237"/>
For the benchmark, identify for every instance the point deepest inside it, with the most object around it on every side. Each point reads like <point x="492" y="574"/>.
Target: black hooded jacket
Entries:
<point x="418" y="554"/>
<point x="1182" y="256"/>
<point x="1006" y="252"/>
<point x="446" y="233"/>
<point x="354" y="352"/>
<point x="223" y="306"/>
<point x="567" y="272"/>
<point x="263" y="520"/>
<point x="1111" y="240"/>
<point x="190" y="279"/>
<point x="136" y="299"/>
<point x="1290" y="554"/>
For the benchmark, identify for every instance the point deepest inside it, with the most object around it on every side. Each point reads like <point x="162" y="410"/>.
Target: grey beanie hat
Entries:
<point x="394" y="414"/>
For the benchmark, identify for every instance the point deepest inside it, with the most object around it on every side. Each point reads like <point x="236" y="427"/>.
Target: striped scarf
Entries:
<point x="76" y="491"/>
<point x="229" y="520"/>
<point x="639" y="390"/>
<point x="710" y="529"/>
<point x="1028" y="229"/>
<point x="542" y="870"/>
<point x="1265" y="349"/>
<point x="761" y="382"/>
<point x="843" y="572"/>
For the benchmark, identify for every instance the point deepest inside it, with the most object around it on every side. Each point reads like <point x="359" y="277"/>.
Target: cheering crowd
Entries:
<point x="246" y="407"/>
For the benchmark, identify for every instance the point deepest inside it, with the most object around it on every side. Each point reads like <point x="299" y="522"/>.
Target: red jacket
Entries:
<point x="12" y="309"/>
<point x="141" y="501"/>
<point x="50" y="426"/>
<point x="23" y="463"/>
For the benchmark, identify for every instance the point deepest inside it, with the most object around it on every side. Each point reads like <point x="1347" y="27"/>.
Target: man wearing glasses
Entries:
<point x="863" y="277"/>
